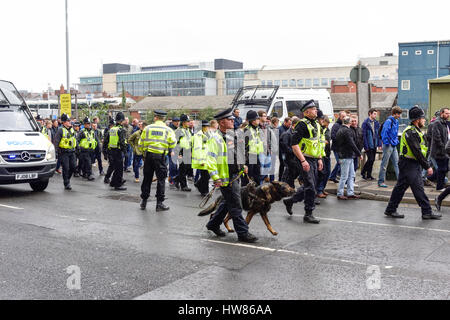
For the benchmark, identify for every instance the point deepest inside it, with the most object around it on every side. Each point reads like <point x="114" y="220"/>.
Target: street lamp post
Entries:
<point x="67" y="50"/>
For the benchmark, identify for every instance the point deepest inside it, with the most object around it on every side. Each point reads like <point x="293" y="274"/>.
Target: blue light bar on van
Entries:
<point x="12" y="156"/>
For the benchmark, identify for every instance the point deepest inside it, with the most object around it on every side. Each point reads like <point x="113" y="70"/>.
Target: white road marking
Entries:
<point x="10" y="207"/>
<point x="288" y="252"/>
<point x="385" y="225"/>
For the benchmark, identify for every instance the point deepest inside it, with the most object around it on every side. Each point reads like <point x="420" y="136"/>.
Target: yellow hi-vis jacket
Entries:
<point x="157" y="138"/>
<point x="199" y="150"/>
<point x="217" y="159"/>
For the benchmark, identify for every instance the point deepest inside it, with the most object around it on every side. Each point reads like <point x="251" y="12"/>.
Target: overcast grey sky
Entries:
<point x="148" y="32"/>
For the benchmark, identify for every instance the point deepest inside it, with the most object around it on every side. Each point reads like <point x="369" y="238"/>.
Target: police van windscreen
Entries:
<point x="246" y="108"/>
<point x="14" y="119"/>
<point x="9" y="94"/>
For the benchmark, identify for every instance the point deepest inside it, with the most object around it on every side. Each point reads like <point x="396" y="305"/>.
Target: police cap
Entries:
<point x="76" y="124"/>
<point x="252" y="115"/>
<point x="160" y="113"/>
<point x="176" y="119"/>
<point x="416" y="113"/>
<point x="205" y="123"/>
<point x="120" y="116"/>
<point x="86" y="120"/>
<point x="64" y="117"/>
<point x="184" y="118"/>
<point x="224" y="114"/>
<point x="319" y="114"/>
<point x="308" y="105"/>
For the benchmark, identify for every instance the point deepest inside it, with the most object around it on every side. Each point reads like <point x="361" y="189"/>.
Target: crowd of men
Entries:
<point x="232" y="151"/>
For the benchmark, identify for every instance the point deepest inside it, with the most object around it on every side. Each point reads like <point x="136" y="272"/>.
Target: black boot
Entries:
<point x="309" y="218"/>
<point x="289" y="204"/>
<point x="160" y="206"/>
<point x="143" y="204"/>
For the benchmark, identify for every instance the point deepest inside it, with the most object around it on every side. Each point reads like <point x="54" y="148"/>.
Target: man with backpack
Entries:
<point x="389" y="137"/>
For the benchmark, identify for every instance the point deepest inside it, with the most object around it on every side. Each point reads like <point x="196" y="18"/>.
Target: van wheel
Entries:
<point x="39" y="185"/>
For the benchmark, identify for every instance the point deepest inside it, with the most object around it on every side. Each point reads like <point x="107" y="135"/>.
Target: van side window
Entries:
<point x="294" y="107"/>
<point x="277" y="109"/>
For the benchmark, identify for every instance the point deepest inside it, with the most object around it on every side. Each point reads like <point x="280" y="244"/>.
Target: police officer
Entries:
<point x="87" y="143"/>
<point x="110" y="169"/>
<point x="40" y="122"/>
<point x="254" y="147"/>
<point x="155" y="142"/>
<point x="306" y="147"/>
<point x="76" y="127"/>
<point x="199" y="150"/>
<point x="117" y="146"/>
<point x="413" y="152"/>
<point x="65" y="143"/>
<point x="224" y="172"/>
<point x="184" y="137"/>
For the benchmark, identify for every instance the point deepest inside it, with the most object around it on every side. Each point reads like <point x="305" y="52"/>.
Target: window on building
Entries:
<point x="276" y="82"/>
<point x="277" y="110"/>
<point x="430" y="51"/>
<point x="341" y="79"/>
<point x="308" y="83"/>
<point x="324" y="82"/>
<point x="418" y="52"/>
<point x="284" y="83"/>
<point x="300" y="83"/>
<point x="384" y="63"/>
<point x="292" y="83"/>
<point x="263" y="82"/>
<point x="269" y="82"/>
<point x="405" y="114"/>
<point x="404" y="53"/>
<point x="406" y="85"/>
<point x="316" y="82"/>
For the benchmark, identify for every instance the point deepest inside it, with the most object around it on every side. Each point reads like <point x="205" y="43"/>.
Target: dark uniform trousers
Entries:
<point x="254" y="170"/>
<point x="116" y="162"/>
<point x="182" y="174"/>
<point x="291" y="172"/>
<point x="231" y="203"/>
<point x="110" y="169"/>
<point x="69" y="164"/>
<point x="97" y="156"/>
<point x="154" y="164"/>
<point x="203" y="183"/>
<point x="307" y="192"/>
<point x="410" y="175"/>
<point x="86" y="162"/>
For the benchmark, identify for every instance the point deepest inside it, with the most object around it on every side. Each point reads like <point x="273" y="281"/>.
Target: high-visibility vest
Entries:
<point x="114" y="138"/>
<point x="157" y="138"/>
<point x="217" y="159"/>
<point x="44" y="131"/>
<point x="311" y="147"/>
<point x="88" y="142"/>
<point x="68" y="140"/>
<point x="255" y="144"/>
<point x="185" y="140"/>
<point x="405" y="150"/>
<point x="199" y="150"/>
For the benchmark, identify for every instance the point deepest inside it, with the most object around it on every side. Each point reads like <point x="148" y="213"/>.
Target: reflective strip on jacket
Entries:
<point x="157" y="138"/>
<point x="88" y="142"/>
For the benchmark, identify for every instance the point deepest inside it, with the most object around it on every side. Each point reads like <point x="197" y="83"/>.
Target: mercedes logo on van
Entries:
<point x="25" y="156"/>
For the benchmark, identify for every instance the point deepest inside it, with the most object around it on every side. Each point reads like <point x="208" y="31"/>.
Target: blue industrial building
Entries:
<point x="419" y="62"/>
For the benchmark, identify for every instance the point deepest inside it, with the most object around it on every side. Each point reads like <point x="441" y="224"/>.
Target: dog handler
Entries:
<point x="223" y="167"/>
<point x="307" y="148"/>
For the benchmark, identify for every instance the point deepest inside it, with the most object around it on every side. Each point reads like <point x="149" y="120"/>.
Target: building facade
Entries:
<point x="418" y="63"/>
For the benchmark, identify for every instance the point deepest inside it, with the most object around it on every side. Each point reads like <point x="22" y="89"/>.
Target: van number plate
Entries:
<point x="26" y="176"/>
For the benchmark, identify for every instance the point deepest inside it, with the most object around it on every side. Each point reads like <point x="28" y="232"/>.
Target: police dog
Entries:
<point x="255" y="200"/>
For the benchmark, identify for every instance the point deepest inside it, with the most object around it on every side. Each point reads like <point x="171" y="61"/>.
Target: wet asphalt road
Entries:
<point x="125" y="253"/>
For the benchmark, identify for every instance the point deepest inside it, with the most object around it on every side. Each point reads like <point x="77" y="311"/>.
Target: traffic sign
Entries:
<point x="360" y="74"/>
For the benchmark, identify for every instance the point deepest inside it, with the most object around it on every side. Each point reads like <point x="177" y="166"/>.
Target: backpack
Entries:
<point x="381" y="129"/>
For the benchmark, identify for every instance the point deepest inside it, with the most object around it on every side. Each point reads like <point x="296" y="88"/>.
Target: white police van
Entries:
<point x="281" y="103"/>
<point x="26" y="155"/>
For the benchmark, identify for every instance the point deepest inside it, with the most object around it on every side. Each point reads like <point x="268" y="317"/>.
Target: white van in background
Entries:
<point x="26" y="155"/>
<point x="281" y="103"/>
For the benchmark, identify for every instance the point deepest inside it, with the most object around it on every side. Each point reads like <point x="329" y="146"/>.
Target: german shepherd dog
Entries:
<point x="255" y="200"/>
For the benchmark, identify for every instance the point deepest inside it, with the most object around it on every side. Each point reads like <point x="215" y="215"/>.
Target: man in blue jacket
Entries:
<point x="370" y="128"/>
<point x="389" y="137"/>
